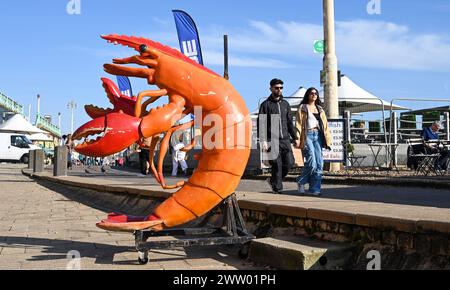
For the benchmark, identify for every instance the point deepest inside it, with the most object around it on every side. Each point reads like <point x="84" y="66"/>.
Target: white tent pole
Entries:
<point x="447" y="125"/>
<point x="395" y="132"/>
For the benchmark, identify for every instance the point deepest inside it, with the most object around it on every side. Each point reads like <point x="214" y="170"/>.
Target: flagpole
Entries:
<point x="225" y="54"/>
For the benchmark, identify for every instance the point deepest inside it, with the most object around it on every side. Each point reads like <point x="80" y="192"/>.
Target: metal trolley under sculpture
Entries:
<point x="231" y="232"/>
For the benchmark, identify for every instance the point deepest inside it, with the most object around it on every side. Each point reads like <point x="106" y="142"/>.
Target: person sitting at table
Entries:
<point x="431" y="134"/>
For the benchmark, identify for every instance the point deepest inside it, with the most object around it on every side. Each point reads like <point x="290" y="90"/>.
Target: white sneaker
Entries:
<point x="316" y="193"/>
<point x="301" y="188"/>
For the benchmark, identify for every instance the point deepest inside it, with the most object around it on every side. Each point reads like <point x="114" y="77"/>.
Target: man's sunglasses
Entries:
<point x="278" y="88"/>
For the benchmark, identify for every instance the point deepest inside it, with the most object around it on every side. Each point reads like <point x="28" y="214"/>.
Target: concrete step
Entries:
<point x="300" y="253"/>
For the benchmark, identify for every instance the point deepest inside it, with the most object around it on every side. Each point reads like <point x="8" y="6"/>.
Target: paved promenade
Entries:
<point x="40" y="226"/>
<point x="407" y="209"/>
<point x="334" y="188"/>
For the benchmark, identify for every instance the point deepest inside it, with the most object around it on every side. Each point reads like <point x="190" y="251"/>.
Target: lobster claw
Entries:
<point x="119" y="101"/>
<point x="116" y="132"/>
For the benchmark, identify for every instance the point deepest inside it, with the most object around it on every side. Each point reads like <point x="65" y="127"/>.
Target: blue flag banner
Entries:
<point x="188" y="36"/>
<point x="125" y="86"/>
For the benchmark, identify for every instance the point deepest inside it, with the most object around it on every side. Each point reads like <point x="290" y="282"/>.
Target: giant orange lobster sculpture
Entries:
<point x="188" y="85"/>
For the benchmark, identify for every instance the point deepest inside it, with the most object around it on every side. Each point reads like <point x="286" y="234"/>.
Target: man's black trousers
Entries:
<point x="281" y="165"/>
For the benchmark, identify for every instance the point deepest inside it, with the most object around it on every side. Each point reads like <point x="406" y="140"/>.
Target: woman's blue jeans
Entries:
<point x="312" y="171"/>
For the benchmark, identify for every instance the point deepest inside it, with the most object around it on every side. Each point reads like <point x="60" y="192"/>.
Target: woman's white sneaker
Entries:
<point x="316" y="193"/>
<point x="301" y="188"/>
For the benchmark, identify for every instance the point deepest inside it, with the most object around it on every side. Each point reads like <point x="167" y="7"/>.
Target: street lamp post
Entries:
<point x="38" y="104"/>
<point x="330" y="67"/>
<point x="71" y="106"/>
<point x="59" y="120"/>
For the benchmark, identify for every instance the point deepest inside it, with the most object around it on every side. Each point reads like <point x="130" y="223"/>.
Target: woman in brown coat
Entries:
<point x="313" y="134"/>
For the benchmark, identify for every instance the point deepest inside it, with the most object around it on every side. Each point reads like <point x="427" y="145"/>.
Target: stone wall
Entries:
<point x="398" y="250"/>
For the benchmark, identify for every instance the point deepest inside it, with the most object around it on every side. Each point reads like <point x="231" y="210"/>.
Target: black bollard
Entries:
<point x="60" y="161"/>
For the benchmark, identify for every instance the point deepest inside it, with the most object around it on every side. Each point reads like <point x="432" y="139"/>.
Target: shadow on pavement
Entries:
<point x="386" y="194"/>
<point x="103" y="201"/>
<point x="57" y="250"/>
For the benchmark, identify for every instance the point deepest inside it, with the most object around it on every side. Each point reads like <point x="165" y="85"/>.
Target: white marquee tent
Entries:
<point x="40" y="137"/>
<point x="352" y="98"/>
<point x="355" y="99"/>
<point x="19" y="124"/>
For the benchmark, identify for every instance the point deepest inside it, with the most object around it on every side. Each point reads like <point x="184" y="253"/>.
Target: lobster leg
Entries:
<point x="162" y="119"/>
<point x="163" y="151"/>
<point x="153" y="95"/>
<point x="155" y="141"/>
<point x="190" y="146"/>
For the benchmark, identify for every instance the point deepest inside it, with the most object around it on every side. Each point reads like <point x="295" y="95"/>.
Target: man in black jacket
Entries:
<point x="275" y="108"/>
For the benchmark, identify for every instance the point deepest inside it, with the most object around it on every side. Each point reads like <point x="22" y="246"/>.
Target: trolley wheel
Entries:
<point x="143" y="257"/>
<point x="244" y="250"/>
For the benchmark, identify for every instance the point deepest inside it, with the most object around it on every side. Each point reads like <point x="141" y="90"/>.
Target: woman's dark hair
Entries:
<point x="306" y="97"/>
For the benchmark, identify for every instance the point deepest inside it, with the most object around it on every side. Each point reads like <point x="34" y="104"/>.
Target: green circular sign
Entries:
<point x="319" y="46"/>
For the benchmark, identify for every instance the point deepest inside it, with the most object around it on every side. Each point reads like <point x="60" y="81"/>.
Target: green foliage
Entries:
<point x="350" y="148"/>
<point x="408" y="125"/>
<point x="430" y="116"/>
<point x="374" y="127"/>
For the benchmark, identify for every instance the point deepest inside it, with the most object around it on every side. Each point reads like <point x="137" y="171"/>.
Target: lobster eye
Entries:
<point x="143" y="48"/>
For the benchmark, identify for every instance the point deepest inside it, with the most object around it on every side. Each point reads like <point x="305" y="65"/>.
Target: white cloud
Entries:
<point x="378" y="44"/>
<point x="360" y="43"/>
<point x="216" y="58"/>
<point x="283" y="44"/>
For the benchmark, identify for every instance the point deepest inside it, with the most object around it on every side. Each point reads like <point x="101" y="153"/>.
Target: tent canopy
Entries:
<point x="355" y="99"/>
<point x="435" y="109"/>
<point x="40" y="137"/>
<point x="352" y="98"/>
<point x="18" y="123"/>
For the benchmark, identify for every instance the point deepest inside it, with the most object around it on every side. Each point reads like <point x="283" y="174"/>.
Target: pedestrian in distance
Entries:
<point x="144" y="155"/>
<point x="313" y="135"/>
<point x="275" y="139"/>
<point x="179" y="156"/>
<point x="70" y="145"/>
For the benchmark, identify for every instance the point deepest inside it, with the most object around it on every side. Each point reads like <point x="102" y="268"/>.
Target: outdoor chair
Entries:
<point x="354" y="162"/>
<point x="442" y="161"/>
<point x="423" y="159"/>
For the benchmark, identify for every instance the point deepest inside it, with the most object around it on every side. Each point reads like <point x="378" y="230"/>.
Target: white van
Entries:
<point x="15" y="147"/>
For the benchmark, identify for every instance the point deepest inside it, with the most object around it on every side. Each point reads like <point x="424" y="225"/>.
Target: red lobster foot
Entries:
<point x="123" y="223"/>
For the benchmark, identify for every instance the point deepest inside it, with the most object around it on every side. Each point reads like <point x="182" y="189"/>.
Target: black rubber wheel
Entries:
<point x="24" y="159"/>
<point x="244" y="251"/>
<point x="143" y="262"/>
<point x="143" y="258"/>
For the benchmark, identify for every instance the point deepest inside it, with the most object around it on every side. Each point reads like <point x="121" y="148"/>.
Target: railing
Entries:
<point x="397" y="132"/>
<point x="43" y="123"/>
<point x="10" y="105"/>
<point x="394" y="128"/>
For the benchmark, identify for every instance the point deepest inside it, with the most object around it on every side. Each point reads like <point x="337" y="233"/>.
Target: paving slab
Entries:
<point x="298" y="253"/>
<point x="40" y="226"/>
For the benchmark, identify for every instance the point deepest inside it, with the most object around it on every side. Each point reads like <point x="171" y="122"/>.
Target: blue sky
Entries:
<point x="403" y="52"/>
